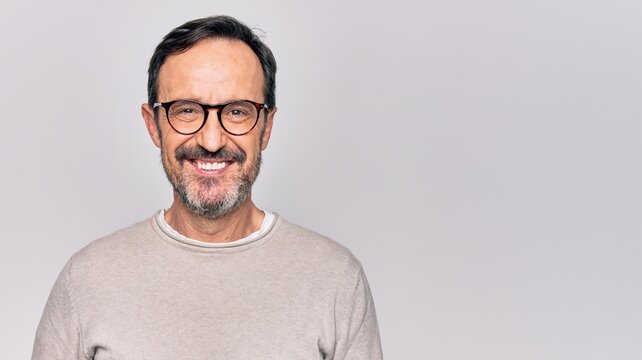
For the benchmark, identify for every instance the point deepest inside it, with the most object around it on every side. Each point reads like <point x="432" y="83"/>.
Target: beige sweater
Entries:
<point x="142" y="294"/>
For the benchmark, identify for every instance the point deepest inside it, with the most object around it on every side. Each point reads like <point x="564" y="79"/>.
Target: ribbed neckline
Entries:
<point x="202" y="246"/>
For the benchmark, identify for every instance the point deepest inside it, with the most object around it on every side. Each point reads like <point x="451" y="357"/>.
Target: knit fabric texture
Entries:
<point x="142" y="294"/>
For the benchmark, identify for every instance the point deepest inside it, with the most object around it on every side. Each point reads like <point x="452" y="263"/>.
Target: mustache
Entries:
<point x="184" y="153"/>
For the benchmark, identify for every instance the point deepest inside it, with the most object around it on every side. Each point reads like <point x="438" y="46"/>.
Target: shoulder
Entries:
<point x="315" y="249"/>
<point x="125" y="243"/>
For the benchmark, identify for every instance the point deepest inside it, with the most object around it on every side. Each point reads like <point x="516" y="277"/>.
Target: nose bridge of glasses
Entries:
<point x="217" y="108"/>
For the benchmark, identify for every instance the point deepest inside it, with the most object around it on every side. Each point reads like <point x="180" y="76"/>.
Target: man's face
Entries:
<point x="212" y="172"/>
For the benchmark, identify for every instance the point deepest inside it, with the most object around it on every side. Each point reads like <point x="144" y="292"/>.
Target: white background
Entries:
<point x="483" y="159"/>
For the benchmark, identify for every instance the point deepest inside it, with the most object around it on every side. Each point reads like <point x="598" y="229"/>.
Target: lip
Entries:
<point x="213" y="172"/>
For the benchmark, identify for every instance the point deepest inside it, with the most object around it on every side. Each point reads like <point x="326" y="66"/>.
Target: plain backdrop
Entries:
<point x="483" y="159"/>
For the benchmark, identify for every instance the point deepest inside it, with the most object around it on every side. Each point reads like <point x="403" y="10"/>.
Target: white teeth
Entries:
<point x="210" y="166"/>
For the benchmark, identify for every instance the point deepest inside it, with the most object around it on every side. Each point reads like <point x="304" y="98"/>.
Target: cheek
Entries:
<point x="170" y="144"/>
<point x="168" y="157"/>
<point x="246" y="143"/>
<point x="252" y="151"/>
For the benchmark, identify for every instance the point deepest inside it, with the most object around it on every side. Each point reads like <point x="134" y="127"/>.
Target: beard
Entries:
<point x="210" y="197"/>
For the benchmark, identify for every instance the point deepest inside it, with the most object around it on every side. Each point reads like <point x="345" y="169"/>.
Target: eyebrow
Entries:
<point x="206" y="103"/>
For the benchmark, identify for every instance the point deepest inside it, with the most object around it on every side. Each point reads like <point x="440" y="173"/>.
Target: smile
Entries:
<point x="209" y="166"/>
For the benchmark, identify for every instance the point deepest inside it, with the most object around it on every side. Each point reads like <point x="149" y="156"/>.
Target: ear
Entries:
<point x="267" y="129"/>
<point x="154" y="132"/>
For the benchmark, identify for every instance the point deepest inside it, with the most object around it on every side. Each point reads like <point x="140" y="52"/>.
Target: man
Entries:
<point x="213" y="276"/>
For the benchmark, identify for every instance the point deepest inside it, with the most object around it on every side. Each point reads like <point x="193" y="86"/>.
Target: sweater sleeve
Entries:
<point x="357" y="329"/>
<point x="58" y="334"/>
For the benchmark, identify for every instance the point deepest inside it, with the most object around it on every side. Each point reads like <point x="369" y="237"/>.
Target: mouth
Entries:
<point x="209" y="163"/>
<point x="210" y="166"/>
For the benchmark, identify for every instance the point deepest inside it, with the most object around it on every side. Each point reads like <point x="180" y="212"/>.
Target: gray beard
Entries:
<point x="215" y="209"/>
<point x="211" y="210"/>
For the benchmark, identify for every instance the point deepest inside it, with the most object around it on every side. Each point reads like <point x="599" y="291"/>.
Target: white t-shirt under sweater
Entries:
<point x="145" y="293"/>
<point x="266" y="224"/>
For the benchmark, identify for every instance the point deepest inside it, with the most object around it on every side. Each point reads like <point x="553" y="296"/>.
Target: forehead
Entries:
<point x="213" y="70"/>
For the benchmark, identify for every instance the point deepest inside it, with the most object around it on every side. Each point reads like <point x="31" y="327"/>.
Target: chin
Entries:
<point x="212" y="206"/>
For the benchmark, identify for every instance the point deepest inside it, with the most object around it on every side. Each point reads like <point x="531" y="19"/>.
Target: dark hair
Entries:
<point x="222" y="27"/>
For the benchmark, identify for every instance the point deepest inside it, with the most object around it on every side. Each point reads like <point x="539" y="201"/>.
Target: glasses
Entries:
<point x="188" y="117"/>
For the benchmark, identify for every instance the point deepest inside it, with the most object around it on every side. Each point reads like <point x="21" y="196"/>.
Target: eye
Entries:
<point x="237" y="112"/>
<point x="185" y="111"/>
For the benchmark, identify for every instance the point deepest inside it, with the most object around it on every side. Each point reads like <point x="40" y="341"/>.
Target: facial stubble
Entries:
<point x="210" y="197"/>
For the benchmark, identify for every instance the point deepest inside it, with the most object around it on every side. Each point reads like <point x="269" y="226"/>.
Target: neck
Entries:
<point x="241" y="222"/>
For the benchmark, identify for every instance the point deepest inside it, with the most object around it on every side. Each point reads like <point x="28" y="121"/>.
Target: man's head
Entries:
<point x="210" y="61"/>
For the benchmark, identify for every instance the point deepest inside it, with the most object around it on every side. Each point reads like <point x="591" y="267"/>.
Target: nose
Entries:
<point x="212" y="137"/>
